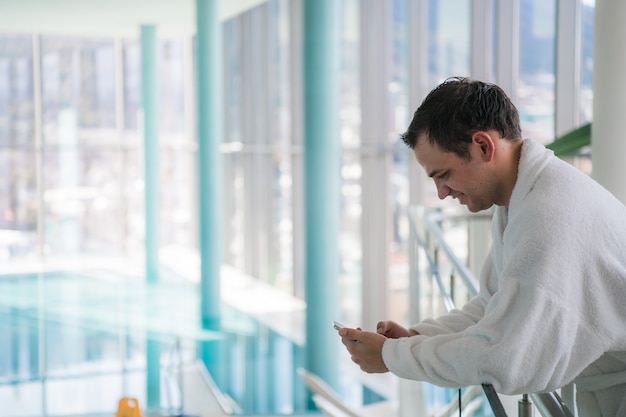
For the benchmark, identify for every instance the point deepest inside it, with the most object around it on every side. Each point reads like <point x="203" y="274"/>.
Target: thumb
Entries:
<point x="348" y="333"/>
<point x="381" y="327"/>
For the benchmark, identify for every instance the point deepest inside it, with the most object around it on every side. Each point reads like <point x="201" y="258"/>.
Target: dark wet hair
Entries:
<point x="456" y="109"/>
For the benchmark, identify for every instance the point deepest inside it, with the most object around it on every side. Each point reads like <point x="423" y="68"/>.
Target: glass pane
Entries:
<point x="18" y="192"/>
<point x="172" y="73"/>
<point x="77" y="73"/>
<point x="18" y="204"/>
<point x="132" y="202"/>
<point x="132" y="84"/>
<point x="586" y="67"/>
<point x="16" y="91"/>
<point x="82" y="200"/>
<point x="537" y="52"/>
<point x="177" y="190"/>
<point x="450" y="34"/>
<point x="233" y="174"/>
<point x="91" y="171"/>
<point x="257" y="150"/>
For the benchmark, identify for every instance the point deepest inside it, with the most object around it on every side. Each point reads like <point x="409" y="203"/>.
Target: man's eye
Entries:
<point x="442" y="176"/>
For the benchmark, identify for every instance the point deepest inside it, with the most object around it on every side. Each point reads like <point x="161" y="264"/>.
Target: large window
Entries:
<point x="80" y="159"/>
<point x="449" y="24"/>
<point x="71" y="134"/>
<point x="537" y="69"/>
<point x="18" y="190"/>
<point x="74" y="146"/>
<point x="259" y="147"/>
<point x="586" y="64"/>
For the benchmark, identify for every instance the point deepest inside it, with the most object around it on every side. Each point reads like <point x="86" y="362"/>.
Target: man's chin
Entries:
<point x="475" y="209"/>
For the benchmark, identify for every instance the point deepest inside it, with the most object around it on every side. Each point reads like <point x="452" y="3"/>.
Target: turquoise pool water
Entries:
<point x="76" y="342"/>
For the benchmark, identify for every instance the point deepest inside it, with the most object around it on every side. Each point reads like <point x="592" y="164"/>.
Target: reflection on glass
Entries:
<point x="586" y="65"/>
<point x="450" y="34"/>
<point x="537" y="66"/>
<point x="18" y="195"/>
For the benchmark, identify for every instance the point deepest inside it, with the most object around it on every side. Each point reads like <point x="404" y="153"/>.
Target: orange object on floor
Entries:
<point x="128" y="407"/>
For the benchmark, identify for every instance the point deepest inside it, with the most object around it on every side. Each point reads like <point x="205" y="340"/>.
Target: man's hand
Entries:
<point x="393" y="330"/>
<point x="365" y="349"/>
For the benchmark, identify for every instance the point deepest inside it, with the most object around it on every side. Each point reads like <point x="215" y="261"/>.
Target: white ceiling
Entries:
<point x="108" y="17"/>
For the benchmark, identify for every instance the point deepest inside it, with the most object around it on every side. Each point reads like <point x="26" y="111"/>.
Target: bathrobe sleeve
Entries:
<point x="549" y="316"/>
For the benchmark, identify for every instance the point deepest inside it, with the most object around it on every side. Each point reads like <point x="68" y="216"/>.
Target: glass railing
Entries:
<point x="444" y="244"/>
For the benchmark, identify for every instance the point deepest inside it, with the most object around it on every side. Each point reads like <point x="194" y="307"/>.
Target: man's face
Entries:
<point x="467" y="180"/>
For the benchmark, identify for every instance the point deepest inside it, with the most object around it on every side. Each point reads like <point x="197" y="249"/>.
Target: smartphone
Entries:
<point x="337" y="325"/>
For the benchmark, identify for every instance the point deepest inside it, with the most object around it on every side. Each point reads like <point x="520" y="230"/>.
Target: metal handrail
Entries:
<point x="433" y="226"/>
<point x="447" y="299"/>
<point x="551" y="404"/>
<point x="492" y="397"/>
<point x="548" y="404"/>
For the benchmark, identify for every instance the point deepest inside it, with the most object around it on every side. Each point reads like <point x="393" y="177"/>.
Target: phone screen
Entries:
<point x="337" y="325"/>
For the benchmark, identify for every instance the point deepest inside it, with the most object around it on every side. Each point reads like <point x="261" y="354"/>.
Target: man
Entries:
<point x="552" y="303"/>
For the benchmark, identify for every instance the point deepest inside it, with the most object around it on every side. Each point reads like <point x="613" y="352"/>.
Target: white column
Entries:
<point x="609" y="96"/>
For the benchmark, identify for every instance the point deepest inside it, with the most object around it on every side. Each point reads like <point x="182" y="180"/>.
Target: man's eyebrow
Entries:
<point x="433" y="173"/>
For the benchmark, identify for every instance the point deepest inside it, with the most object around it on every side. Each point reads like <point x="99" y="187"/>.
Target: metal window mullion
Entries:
<point x="567" y="79"/>
<point x="191" y="134"/>
<point x="418" y="41"/>
<point x="508" y="47"/>
<point x="38" y="128"/>
<point x="260" y="179"/>
<point x="264" y="178"/>
<point x="118" y="51"/>
<point x="297" y="165"/>
<point x="411" y="394"/>
<point x="482" y="69"/>
<point x="271" y="25"/>
<point x="418" y="85"/>
<point x="248" y="160"/>
<point x="482" y="40"/>
<point x="230" y="160"/>
<point x="375" y="52"/>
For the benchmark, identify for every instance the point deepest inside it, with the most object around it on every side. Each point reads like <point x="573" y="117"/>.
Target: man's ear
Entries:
<point x="485" y="144"/>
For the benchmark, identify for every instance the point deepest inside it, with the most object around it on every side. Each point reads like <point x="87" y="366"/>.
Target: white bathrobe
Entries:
<point x="552" y="302"/>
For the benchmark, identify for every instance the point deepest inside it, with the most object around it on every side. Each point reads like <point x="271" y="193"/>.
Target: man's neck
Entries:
<point x="510" y="167"/>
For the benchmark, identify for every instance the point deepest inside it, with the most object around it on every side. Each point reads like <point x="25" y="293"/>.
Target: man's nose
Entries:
<point x="442" y="190"/>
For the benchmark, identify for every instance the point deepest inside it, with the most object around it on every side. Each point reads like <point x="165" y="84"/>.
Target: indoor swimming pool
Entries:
<point x="75" y="342"/>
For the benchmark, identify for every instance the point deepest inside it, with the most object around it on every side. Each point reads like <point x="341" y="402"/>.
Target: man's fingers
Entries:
<point x="362" y="365"/>
<point x="350" y="334"/>
<point x="344" y="331"/>
<point x="381" y="327"/>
